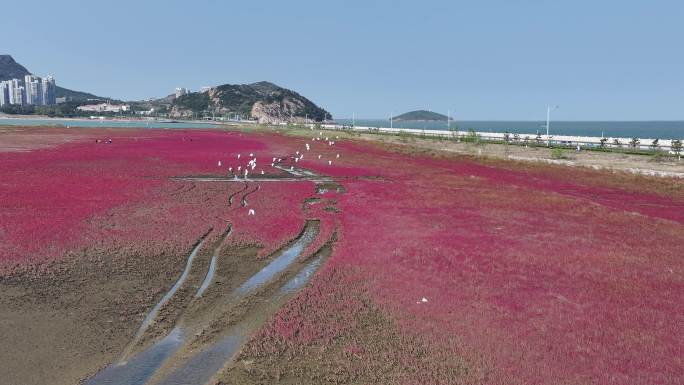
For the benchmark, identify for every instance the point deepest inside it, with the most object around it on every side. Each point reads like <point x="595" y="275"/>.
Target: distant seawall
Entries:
<point x="590" y="141"/>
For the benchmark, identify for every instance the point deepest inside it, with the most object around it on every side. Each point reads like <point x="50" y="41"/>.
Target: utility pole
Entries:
<point x="391" y="120"/>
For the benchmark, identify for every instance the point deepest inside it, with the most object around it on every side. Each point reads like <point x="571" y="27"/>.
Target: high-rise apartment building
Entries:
<point x="17" y="94"/>
<point x="49" y="91"/>
<point x="4" y="93"/>
<point x="34" y="90"/>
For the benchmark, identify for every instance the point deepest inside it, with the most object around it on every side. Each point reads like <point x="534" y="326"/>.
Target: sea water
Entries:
<point x="644" y="129"/>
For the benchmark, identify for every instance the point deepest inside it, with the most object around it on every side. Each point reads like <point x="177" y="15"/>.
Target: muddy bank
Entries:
<point x="78" y="315"/>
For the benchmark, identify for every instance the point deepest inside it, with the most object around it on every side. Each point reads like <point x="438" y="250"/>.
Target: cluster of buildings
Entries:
<point x="105" y="107"/>
<point x="180" y="91"/>
<point x="32" y="90"/>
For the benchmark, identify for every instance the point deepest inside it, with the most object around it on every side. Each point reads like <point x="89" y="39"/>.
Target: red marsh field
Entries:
<point x="147" y="257"/>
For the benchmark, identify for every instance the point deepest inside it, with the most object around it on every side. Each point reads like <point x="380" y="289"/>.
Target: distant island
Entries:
<point x="421" y="115"/>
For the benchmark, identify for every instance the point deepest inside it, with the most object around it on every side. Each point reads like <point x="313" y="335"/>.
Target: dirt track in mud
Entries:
<point x="79" y="316"/>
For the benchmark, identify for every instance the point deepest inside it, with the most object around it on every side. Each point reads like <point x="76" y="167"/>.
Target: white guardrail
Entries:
<point x="566" y="140"/>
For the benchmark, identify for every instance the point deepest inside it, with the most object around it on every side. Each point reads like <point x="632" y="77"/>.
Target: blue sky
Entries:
<point x="488" y="59"/>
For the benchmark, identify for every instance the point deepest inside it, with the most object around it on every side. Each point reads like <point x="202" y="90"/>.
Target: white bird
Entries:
<point x="219" y="164"/>
<point x="246" y="172"/>
<point x="319" y="157"/>
<point x="262" y="172"/>
<point x="291" y="168"/>
<point x="254" y="165"/>
<point x="297" y="152"/>
<point x="301" y="156"/>
<point x="274" y="160"/>
<point x="238" y="156"/>
<point x="326" y="138"/>
<point x="338" y="155"/>
<point x="296" y="160"/>
<point x="230" y="169"/>
<point x="239" y="168"/>
<point x="272" y="164"/>
<point x="250" y="212"/>
<point x="329" y="162"/>
<point x="251" y="154"/>
<point x="307" y="147"/>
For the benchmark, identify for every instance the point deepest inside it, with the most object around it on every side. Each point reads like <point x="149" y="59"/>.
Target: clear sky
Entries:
<point x="485" y="59"/>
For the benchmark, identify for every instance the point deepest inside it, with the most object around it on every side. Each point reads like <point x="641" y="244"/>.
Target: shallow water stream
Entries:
<point x="202" y="366"/>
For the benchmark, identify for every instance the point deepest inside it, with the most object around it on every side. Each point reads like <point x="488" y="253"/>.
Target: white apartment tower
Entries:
<point x="34" y="90"/>
<point x="17" y="94"/>
<point x="4" y="93"/>
<point x="49" y="96"/>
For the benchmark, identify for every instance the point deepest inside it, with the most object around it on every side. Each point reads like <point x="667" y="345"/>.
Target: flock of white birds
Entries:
<point x="252" y="163"/>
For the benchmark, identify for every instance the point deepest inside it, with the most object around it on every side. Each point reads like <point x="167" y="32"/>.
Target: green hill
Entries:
<point x="263" y="101"/>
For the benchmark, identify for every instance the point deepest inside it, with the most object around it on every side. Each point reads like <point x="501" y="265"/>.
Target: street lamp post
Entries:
<point x="548" y="122"/>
